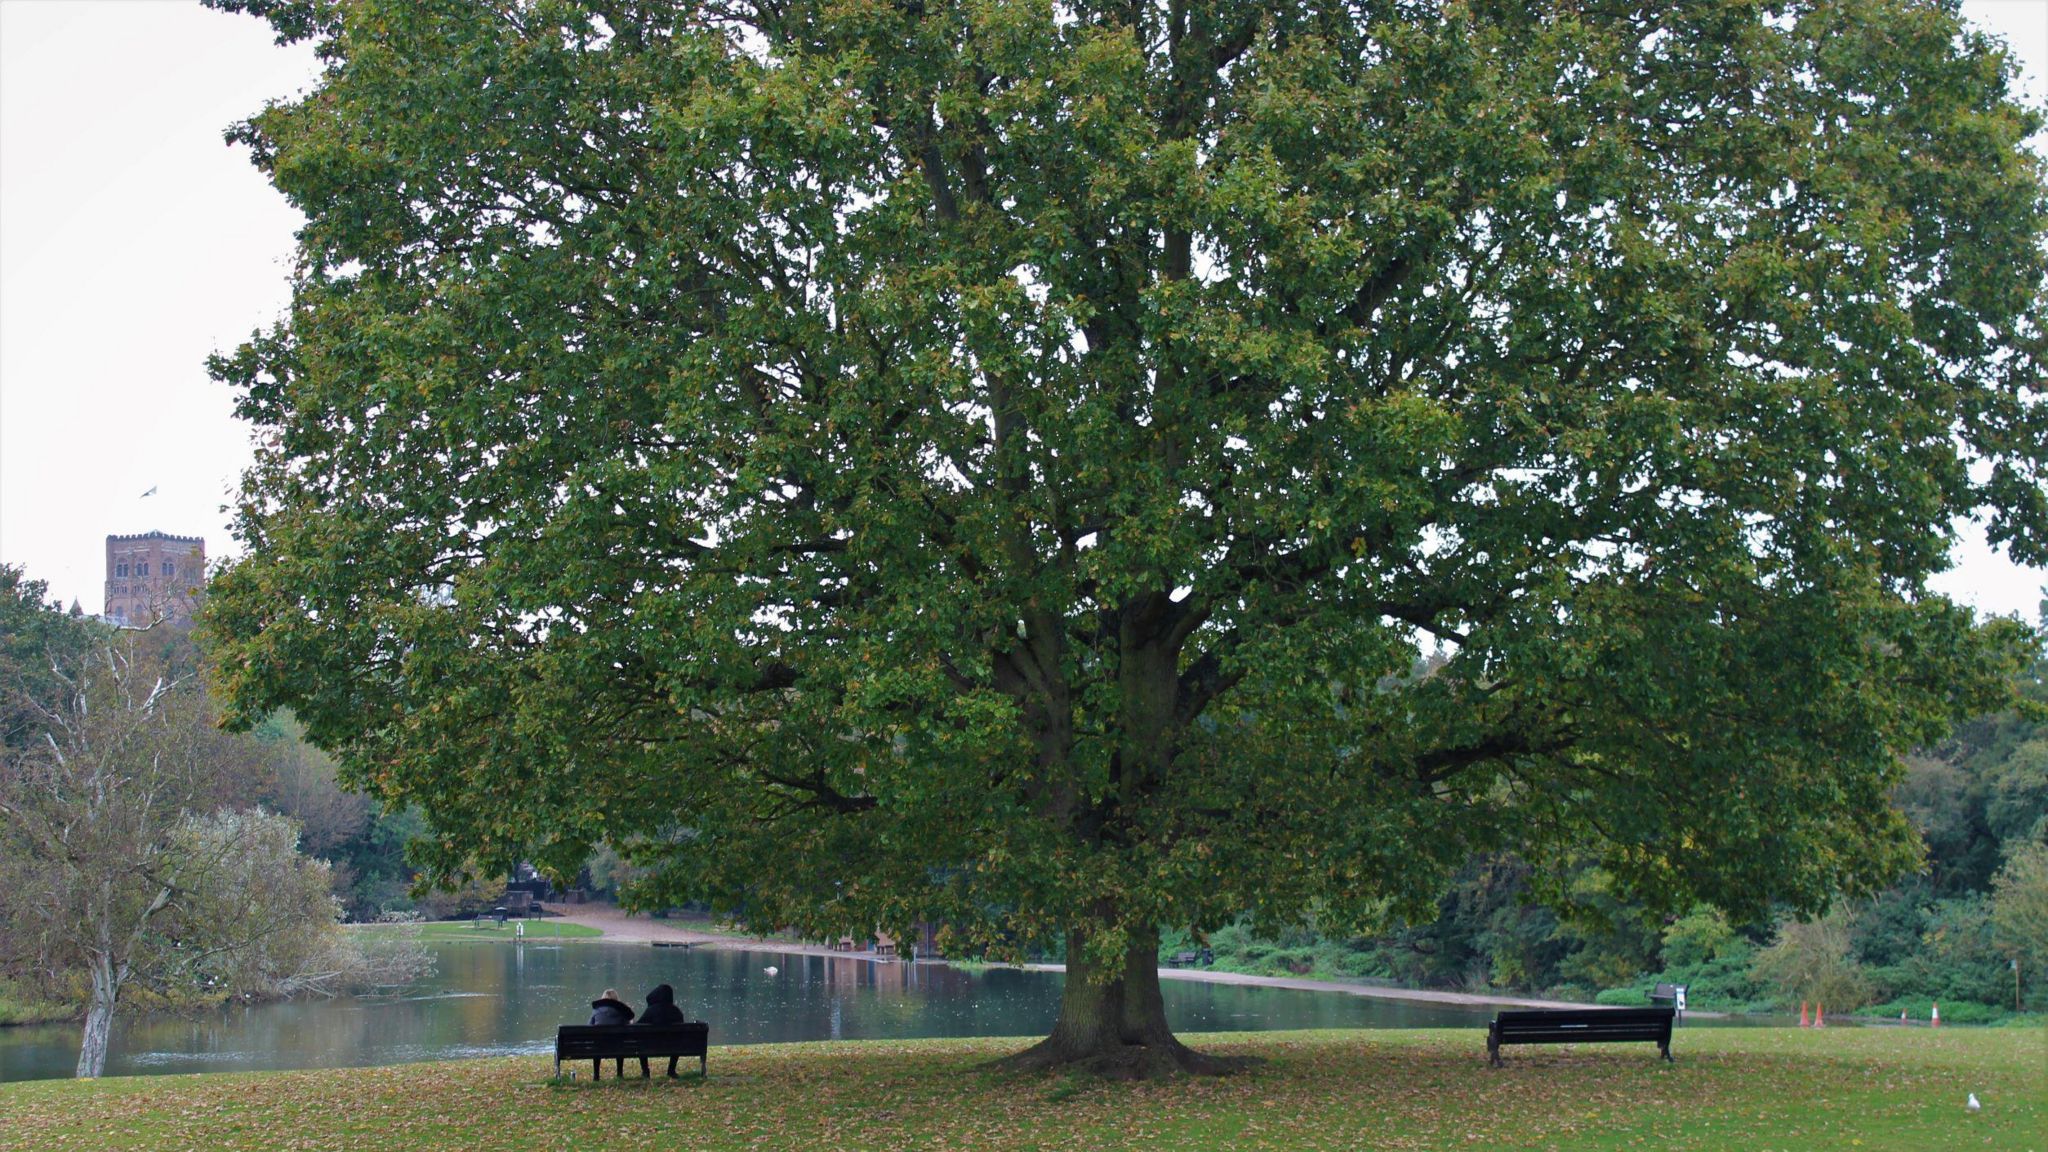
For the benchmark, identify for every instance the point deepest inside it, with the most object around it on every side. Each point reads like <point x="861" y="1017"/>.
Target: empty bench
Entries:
<point x="600" y="1042"/>
<point x="1580" y="1026"/>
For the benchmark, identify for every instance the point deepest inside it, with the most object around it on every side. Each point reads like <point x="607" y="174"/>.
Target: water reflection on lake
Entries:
<point x="495" y="999"/>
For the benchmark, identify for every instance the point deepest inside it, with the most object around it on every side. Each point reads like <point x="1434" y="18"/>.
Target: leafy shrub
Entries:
<point x="1919" y="1008"/>
<point x="1810" y="960"/>
<point x="1697" y="938"/>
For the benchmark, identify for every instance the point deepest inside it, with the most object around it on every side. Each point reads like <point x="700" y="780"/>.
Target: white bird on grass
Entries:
<point x="772" y="970"/>
<point x="1973" y="1105"/>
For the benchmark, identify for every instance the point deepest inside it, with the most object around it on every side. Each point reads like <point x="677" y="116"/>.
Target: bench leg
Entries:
<point x="1666" y="1049"/>
<point x="703" y="1067"/>
<point x="644" y="1073"/>
<point x="1493" y="1052"/>
<point x="597" y="1069"/>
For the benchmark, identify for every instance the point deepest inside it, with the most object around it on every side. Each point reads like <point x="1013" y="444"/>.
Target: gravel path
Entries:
<point x="625" y="928"/>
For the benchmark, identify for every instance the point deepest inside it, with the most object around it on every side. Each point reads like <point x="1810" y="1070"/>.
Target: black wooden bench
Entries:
<point x="600" y="1042"/>
<point x="1579" y="1026"/>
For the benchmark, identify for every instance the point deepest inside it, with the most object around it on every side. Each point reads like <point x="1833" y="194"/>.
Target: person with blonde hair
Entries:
<point x="609" y="1009"/>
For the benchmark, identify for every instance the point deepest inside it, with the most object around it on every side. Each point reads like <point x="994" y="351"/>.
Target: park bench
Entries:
<point x="1668" y="996"/>
<point x="601" y="1042"/>
<point x="1579" y="1026"/>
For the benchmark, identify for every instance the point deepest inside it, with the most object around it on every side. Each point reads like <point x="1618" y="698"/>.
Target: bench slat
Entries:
<point x="631" y="1041"/>
<point x="1580" y="1026"/>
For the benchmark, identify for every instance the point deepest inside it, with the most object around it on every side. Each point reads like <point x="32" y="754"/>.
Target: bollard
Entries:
<point x="1802" y="1015"/>
<point x="1935" y="1020"/>
<point x="1819" y="1019"/>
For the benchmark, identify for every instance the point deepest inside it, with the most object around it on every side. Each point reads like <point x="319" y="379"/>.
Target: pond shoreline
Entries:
<point x="628" y="928"/>
<point x="490" y="996"/>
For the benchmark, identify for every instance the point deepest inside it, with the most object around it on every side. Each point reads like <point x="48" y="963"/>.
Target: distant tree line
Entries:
<point x="1947" y="934"/>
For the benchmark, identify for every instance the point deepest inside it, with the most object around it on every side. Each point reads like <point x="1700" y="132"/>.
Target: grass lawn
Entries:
<point x="439" y="930"/>
<point x="1866" y="1089"/>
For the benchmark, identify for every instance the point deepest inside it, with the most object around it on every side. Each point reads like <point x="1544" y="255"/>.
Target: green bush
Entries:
<point x="1919" y="1009"/>
<point x="1810" y="960"/>
<point x="1697" y="938"/>
<point x="20" y="1004"/>
<point x="1292" y="962"/>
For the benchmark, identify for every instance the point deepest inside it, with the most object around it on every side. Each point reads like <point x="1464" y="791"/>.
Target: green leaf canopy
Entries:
<point x="1073" y="467"/>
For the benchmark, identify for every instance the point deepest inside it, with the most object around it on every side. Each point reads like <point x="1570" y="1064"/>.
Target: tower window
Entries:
<point x="168" y="570"/>
<point x="120" y="569"/>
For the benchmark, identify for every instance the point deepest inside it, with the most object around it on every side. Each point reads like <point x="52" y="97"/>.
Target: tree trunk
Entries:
<point x="1112" y="1021"/>
<point x="99" y="1016"/>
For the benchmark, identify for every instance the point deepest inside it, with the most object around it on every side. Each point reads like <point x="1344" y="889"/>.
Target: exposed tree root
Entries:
<point x="1112" y="1021"/>
<point x="1155" y="1061"/>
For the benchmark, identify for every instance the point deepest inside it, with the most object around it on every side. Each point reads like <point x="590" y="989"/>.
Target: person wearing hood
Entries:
<point x="609" y="1009"/>
<point x="661" y="1009"/>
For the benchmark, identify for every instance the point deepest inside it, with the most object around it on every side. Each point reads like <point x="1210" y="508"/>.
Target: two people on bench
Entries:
<point x="609" y="1009"/>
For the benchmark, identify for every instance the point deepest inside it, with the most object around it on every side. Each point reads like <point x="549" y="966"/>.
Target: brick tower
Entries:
<point x="154" y="577"/>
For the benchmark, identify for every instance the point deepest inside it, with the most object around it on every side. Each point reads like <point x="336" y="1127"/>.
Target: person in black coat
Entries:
<point x="661" y="1009"/>
<point x="609" y="1009"/>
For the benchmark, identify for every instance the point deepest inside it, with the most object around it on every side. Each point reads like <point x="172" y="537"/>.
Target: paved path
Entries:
<point x="627" y="928"/>
<point x="624" y="928"/>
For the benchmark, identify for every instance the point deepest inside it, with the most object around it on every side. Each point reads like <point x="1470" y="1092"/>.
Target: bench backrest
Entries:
<point x="1563" y="1026"/>
<point x="588" y="1041"/>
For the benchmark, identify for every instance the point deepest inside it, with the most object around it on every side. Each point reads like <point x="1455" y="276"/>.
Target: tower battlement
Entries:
<point x="154" y="577"/>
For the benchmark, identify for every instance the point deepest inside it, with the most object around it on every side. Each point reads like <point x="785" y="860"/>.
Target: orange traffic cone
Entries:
<point x="1936" y="1020"/>
<point x="1819" y="1020"/>
<point x="1802" y="1015"/>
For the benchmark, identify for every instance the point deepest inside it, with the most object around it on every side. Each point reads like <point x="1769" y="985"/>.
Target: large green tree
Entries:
<point x="1012" y="463"/>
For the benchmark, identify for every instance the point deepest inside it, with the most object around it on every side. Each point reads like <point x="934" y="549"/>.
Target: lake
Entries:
<point x="500" y="999"/>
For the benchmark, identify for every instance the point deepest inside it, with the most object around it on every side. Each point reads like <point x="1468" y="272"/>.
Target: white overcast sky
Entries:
<point x="133" y="243"/>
